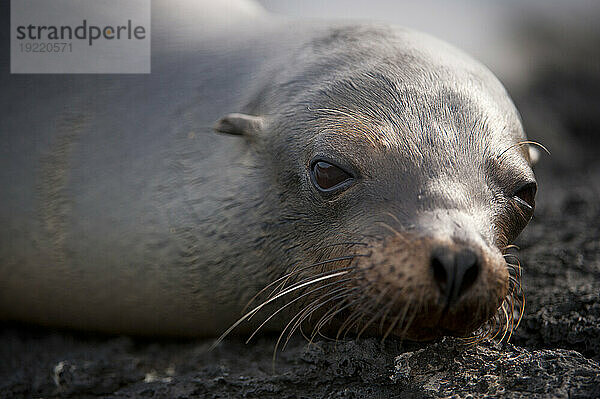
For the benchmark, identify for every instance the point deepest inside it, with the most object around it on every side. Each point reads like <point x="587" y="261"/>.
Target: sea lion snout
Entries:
<point x="435" y="286"/>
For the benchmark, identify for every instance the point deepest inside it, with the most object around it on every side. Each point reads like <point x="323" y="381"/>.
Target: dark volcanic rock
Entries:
<point x="445" y="369"/>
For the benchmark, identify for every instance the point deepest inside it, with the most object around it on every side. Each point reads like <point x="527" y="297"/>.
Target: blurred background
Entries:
<point x="496" y="32"/>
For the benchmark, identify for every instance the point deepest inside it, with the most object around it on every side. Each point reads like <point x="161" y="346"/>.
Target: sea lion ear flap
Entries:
<point x="240" y="125"/>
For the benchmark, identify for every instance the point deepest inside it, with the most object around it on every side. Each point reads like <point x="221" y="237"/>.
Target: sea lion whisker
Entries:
<point x="400" y="316"/>
<point x="320" y="263"/>
<point x="383" y="318"/>
<point x="365" y="310"/>
<point x="309" y="278"/>
<point x="317" y="303"/>
<point x="491" y="327"/>
<point x="519" y="267"/>
<point x="306" y="281"/>
<point x="395" y="218"/>
<point x="392" y="230"/>
<point x="392" y="302"/>
<point x="330" y="310"/>
<point x="375" y="315"/>
<point x="325" y="337"/>
<point x="516" y="274"/>
<point x="280" y="287"/>
<point x="328" y="316"/>
<point x="253" y="311"/>
<point x="327" y="261"/>
<point x="301" y="316"/>
<point x="346" y="325"/>
<point x="522" y="143"/>
<point x="292" y="320"/>
<point x="280" y="279"/>
<point x="348" y="304"/>
<point x="521" y="311"/>
<point x="295" y="300"/>
<point x="353" y="319"/>
<point x="480" y="334"/>
<point x="487" y="332"/>
<point x="408" y="323"/>
<point x="306" y="337"/>
<point x="497" y="326"/>
<point x="309" y="309"/>
<point x="502" y="323"/>
<point x="512" y="318"/>
<point x="514" y="283"/>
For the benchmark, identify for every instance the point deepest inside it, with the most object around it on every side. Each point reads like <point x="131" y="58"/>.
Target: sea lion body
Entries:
<point x="122" y="210"/>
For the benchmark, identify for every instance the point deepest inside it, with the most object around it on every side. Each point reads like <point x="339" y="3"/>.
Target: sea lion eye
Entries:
<point x="328" y="177"/>
<point x="525" y="195"/>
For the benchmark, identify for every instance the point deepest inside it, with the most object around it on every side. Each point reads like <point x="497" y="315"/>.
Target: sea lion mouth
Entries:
<point x="497" y="323"/>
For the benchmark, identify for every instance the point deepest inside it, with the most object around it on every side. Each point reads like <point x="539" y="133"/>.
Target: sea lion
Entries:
<point x="359" y="177"/>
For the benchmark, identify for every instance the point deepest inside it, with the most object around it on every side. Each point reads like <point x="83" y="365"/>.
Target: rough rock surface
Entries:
<point x="555" y="352"/>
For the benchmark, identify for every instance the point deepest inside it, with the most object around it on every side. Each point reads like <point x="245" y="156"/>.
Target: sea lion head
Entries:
<point x="399" y="172"/>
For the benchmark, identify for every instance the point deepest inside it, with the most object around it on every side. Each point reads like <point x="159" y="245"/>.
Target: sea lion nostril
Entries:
<point x="442" y="264"/>
<point x="440" y="274"/>
<point x="467" y="270"/>
<point x="454" y="272"/>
